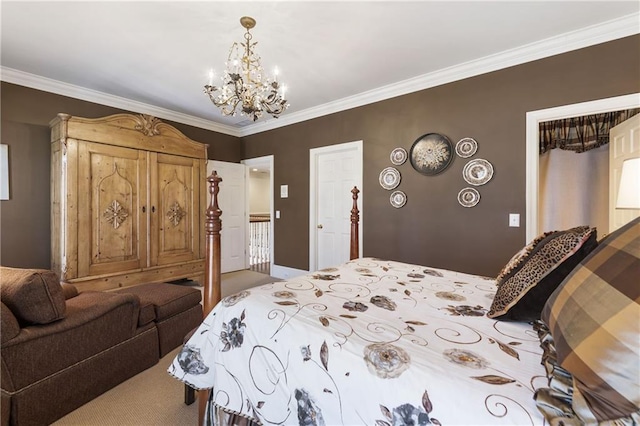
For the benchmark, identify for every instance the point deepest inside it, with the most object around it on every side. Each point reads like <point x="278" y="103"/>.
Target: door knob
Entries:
<point x="320" y="226"/>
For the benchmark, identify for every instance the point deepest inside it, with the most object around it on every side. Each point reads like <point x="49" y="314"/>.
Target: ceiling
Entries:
<point x="154" y="57"/>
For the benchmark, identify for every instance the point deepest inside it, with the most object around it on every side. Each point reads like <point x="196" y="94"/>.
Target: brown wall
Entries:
<point x="432" y="228"/>
<point x="25" y="229"/>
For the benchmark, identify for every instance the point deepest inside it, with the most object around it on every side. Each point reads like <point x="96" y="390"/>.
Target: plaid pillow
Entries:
<point x="594" y="320"/>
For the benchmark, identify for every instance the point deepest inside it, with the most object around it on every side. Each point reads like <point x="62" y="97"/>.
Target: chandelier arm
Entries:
<point x="275" y="110"/>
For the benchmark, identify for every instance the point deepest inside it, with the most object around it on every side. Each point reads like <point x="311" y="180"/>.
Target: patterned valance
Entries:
<point x="581" y="134"/>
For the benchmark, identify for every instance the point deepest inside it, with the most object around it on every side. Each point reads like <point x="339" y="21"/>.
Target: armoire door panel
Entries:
<point x="175" y="197"/>
<point x="112" y="193"/>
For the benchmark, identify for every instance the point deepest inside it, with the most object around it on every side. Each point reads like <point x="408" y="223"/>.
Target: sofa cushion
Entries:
<point x="167" y="299"/>
<point x="593" y="318"/>
<point x="9" y="328"/>
<point x="33" y="295"/>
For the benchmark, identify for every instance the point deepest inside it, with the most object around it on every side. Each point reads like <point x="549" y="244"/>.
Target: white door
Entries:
<point x="231" y="200"/>
<point x="624" y="143"/>
<point x="335" y="171"/>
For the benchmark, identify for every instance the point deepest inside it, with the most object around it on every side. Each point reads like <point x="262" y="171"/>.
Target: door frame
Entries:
<point x="314" y="153"/>
<point x="266" y="160"/>
<point x="532" y="146"/>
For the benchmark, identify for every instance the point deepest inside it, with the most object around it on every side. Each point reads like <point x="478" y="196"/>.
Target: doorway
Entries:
<point x="534" y="118"/>
<point x="259" y="218"/>
<point x="334" y="171"/>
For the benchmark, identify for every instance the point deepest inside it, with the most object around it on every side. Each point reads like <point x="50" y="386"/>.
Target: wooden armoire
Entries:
<point x="128" y="200"/>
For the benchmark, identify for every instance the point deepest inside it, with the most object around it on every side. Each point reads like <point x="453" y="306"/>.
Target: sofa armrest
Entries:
<point x="69" y="290"/>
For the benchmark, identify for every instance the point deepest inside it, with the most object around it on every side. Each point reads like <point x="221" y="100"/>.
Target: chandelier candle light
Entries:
<point x="243" y="82"/>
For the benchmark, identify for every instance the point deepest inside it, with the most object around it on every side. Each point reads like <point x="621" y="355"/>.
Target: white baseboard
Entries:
<point x="284" y="272"/>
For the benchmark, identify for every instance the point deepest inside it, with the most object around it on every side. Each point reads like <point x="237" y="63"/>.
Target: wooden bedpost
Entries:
<point x="212" y="226"/>
<point x="355" y="218"/>
<point x="212" y="290"/>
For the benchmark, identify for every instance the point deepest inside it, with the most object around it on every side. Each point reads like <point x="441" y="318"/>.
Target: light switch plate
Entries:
<point x="277" y="214"/>
<point x="284" y="191"/>
<point x="514" y="220"/>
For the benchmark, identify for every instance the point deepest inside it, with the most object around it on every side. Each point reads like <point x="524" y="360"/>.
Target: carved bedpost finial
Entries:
<point x="354" y="251"/>
<point x="213" y="222"/>
<point x="354" y="211"/>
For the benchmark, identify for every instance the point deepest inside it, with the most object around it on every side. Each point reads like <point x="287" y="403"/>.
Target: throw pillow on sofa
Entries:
<point x="34" y="295"/>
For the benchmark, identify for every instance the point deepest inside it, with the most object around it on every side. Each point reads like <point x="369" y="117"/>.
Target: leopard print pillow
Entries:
<point x="523" y="291"/>
<point x="520" y="257"/>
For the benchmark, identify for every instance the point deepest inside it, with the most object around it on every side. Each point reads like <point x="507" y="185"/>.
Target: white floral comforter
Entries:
<point x="372" y="342"/>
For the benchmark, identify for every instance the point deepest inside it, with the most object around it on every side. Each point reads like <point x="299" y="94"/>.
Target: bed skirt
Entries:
<point x="218" y="416"/>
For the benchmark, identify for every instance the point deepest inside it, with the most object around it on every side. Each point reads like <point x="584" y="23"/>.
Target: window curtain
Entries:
<point x="580" y="134"/>
<point x="574" y="191"/>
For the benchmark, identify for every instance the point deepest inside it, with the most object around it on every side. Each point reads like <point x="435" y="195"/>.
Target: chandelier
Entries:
<point x="244" y="84"/>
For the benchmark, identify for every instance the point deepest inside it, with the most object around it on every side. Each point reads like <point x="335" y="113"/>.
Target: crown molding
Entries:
<point x="595" y="34"/>
<point x="585" y="37"/>
<point x="33" y="81"/>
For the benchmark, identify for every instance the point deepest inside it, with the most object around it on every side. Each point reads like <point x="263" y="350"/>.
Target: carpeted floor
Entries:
<point x="153" y="397"/>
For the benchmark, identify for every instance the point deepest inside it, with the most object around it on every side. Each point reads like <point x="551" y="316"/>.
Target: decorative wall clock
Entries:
<point x="431" y="154"/>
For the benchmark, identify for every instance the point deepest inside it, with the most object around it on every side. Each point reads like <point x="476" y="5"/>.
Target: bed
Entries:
<point x="381" y="342"/>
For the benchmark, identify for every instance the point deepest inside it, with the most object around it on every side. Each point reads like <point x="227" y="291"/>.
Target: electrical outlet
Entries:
<point x="514" y="220"/>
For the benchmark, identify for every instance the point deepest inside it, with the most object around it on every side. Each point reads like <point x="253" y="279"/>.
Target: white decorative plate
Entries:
<point x="466" y="147"/>
<point x="398" y="199"/>
<point x="399" y="156"/>
<point x="477" y="172"/>
<point x="468" y="197"/>
<point x="389" y="178"/>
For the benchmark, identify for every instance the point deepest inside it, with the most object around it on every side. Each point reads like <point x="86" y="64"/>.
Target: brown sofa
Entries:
<point x="60" y="348"/>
